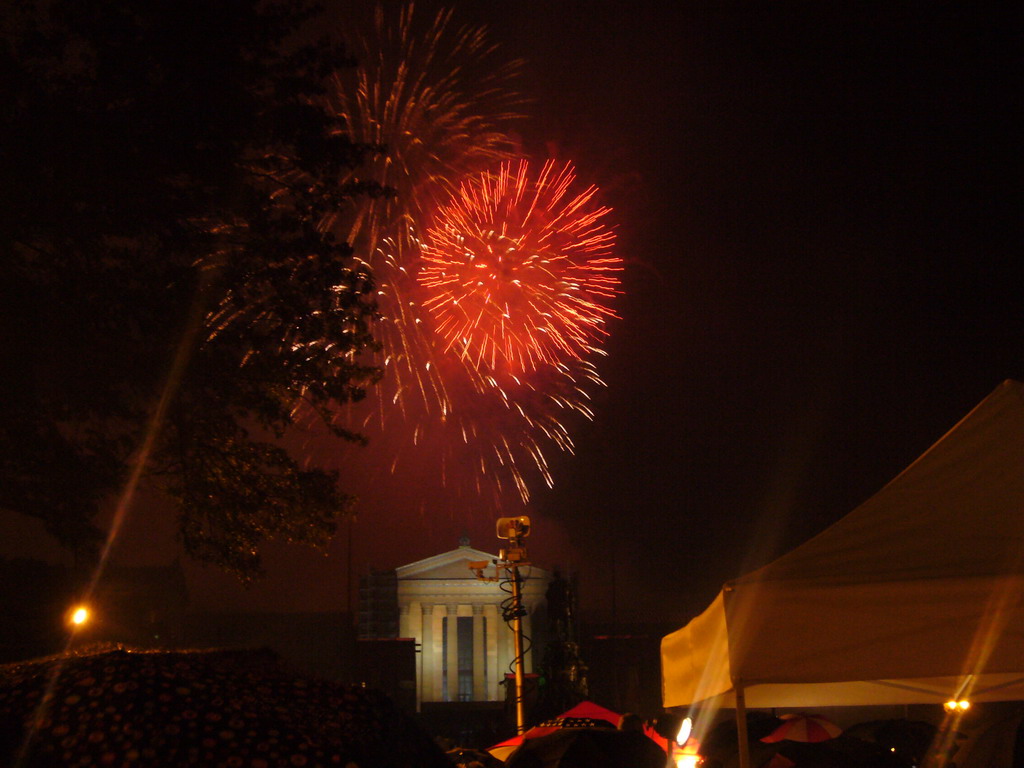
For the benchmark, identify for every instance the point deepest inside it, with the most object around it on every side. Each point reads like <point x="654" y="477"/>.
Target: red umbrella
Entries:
<point x="588" y="748"/>
<point x="807" y="728"/>
<point x="555" y="724"/>
<point x="586" y="714"/>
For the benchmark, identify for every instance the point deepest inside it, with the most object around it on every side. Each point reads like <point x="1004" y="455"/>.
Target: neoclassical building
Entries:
<point x="465" y="646"/>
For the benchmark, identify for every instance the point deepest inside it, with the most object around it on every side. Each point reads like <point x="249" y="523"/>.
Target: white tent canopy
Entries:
<point x="916" y="596"/>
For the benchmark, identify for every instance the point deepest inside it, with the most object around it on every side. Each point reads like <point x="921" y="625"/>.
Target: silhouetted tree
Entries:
<point x="165" y="164"/>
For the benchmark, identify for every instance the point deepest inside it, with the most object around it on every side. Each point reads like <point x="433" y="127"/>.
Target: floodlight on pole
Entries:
<point x="510" y="559"/>
<point x="685" y="729"/>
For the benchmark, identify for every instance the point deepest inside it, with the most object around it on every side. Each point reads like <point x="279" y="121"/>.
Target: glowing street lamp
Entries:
<point x="79" y="616"/>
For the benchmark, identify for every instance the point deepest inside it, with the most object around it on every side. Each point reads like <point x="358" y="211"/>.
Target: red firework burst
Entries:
<point x="520" y="270"/>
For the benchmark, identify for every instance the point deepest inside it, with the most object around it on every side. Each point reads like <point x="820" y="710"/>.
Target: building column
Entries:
<point x="479" y="659"/>
<point x="494" y="673"/>
<point x="404" y="624"/>
<point x="453" y="652"/>
<point x="427" y="675"/>
<point x="438" y="651"/>
<point x="506" y="651"/>
<point x="415" y="629"/>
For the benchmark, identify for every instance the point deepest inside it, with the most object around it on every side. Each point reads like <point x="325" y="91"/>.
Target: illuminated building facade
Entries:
<point x="466" y="648"/>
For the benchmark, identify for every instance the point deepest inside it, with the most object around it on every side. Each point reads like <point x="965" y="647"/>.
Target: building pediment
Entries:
<point x="447" y="566"/>
<point x="454" y="564"/>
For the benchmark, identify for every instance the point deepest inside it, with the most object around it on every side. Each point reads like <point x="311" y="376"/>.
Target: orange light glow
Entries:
<point x="79" y="616"/>
<point x="688" y="757"/>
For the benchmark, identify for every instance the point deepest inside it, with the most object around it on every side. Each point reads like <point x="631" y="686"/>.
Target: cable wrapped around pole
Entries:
<point x="517" y="632"/>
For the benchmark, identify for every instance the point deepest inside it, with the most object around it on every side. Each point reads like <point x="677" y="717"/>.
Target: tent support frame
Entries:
<point x="741" y="725"/>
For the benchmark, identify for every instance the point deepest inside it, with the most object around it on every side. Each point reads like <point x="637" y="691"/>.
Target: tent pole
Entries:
<point x="741" y="725"/>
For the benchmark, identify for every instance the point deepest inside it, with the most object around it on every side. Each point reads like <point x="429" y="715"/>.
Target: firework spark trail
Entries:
<point x="518" y="270"/>
<point x="517" y="274"/>
<point x="439" y="101"/>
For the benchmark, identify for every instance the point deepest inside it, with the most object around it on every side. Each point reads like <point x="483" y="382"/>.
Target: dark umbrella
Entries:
<point x="588" y="748"/>
<point x="473" y="758"/>
<point x="905" y="737"/>
<point x="720" y="746"/>
<point x="202" y="708"/>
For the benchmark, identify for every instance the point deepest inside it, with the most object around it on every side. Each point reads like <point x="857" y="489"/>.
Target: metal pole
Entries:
<point x="517" y="633"/>
<point x="741" y="725"/>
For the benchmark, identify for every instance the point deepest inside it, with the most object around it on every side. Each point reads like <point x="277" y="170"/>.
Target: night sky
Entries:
<point x="818" y="205"/>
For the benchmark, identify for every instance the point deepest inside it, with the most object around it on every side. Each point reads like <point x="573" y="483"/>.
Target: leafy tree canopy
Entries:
<point x="165" y="164"/>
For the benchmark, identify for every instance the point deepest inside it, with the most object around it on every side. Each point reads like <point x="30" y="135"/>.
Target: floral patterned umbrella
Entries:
<point x="197" y="708"/>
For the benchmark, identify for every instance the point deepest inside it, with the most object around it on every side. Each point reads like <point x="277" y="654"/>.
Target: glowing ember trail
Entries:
<point x="437" y="98"/>
<point x="520" y="271"/>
